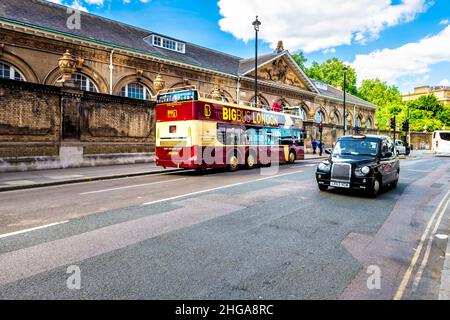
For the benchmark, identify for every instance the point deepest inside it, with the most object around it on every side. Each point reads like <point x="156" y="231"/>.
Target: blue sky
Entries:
<point x="415" y="32"/>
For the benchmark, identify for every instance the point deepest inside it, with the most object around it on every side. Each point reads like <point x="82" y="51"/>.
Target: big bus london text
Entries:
<point x="194" y="131"/>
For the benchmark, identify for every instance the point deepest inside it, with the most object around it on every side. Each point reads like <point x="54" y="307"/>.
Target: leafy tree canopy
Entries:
<point x="332" y="73"/>
<point x="387" y="98"/>
<point x="300" y="59"/>
<point x="428" y="113"/>
<point x="425" y="113"/>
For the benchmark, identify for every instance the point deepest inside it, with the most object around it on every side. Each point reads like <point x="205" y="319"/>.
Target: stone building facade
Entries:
<point x="442" y="93"/>
<point x="111" y="58"/>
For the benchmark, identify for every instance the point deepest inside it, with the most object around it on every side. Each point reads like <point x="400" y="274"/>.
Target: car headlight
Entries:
<point x="324" y="166"/>
<point x="365" y="169"/>
<point x="362" y="171"/>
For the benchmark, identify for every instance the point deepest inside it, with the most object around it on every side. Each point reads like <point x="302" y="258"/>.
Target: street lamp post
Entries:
<point x="256" y="25"/>
<point x="345" y="87"/>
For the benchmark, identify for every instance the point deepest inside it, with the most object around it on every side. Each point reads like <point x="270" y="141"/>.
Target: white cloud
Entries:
<point x="444" y="22"/>
<point x="96" y="2"/>
<point x="444" y="82"/>
<point x="76" y="4"/>
<point x="411" y="59"/>
<point x="315" y="25"/>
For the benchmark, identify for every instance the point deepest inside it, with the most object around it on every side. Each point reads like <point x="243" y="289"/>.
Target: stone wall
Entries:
<point x="51" y="127"/>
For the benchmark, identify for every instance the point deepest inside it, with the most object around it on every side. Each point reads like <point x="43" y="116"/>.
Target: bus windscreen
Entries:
<point x="180" y="96"/>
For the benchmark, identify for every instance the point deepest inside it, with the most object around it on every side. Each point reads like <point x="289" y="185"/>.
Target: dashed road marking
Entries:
<point x="132" y="186"/>
<point x="31" y="229"/>
<point x="219" y="188"/>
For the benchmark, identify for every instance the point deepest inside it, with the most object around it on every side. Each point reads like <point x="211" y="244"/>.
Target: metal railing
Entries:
<point x="210" y="96"/>
<point x="171" y="90"/>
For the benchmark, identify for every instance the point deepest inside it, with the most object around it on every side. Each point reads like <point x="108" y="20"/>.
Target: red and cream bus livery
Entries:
<point x="197" y="132"/>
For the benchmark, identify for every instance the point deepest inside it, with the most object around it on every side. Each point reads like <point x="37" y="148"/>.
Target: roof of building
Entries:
<point x="48" y="15"/>
<point x="334" y="93"/>
<point x="53" y="16"/>
<point x="248" y="65"/>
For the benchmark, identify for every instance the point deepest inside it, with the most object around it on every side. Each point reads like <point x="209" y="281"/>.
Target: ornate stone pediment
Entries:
<point x="279" y="71"/>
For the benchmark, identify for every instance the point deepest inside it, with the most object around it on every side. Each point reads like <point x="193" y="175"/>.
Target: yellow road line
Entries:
<point x="407" y="275"/>
<point x="428" y="250"/>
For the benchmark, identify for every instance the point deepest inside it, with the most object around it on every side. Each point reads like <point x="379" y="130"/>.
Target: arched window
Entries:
<point x="319" y="117"/>
<point x="336" y="119"/>
<point x="302" y="113"/>
<point x="369" y="123"/>
<point x="7" y="71"/>
<point x="358" y="122"/>
<point x="83" y="82"/>
<point x="261" y="100"/>
<point x="136" y="91"/>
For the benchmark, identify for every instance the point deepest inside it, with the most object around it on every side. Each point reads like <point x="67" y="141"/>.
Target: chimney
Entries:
<point x="280" y="47"/>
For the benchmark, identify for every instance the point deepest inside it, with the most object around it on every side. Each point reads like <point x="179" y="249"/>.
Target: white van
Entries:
<point x="441" y="142"/>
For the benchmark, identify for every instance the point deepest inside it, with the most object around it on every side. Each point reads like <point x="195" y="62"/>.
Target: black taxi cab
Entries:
<point x="364" y="162"/>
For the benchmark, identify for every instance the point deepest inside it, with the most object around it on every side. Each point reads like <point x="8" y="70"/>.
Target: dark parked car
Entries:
<point x="360" y="162"/>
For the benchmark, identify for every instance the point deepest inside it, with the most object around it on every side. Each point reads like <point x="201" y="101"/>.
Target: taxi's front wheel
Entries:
<point x="375" y="189"/>
<point x="323" y="187"/>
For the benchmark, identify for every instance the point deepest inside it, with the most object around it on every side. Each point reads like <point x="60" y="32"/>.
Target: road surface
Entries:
<point x="260" y="234"/>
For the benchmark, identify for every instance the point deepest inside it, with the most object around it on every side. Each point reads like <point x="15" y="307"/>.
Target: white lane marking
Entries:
<point x="401" y="289"/>
<point x="65" y="177"/>
<point x="218" y="188"/>
<point x="129" y="187"/>
<point x="303" y="165"/>
<point x="31" y="229"/>
<point x="98" y="181"/>
<point x="418" y="170"/>
<point x="428" y="250"/>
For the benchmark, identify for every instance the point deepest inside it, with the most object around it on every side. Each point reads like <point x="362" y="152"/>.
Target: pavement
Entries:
<point x="44" y="178"/>
<point x="250" y="234"/>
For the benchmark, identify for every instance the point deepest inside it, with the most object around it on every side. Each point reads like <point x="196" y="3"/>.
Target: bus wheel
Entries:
<point x="250" y="161"/>
<point x="292" y="157"/>
<point x="233" y="162"/>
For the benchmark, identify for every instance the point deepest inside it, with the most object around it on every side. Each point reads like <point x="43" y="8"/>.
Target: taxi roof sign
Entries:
<point x="359" y="136"/>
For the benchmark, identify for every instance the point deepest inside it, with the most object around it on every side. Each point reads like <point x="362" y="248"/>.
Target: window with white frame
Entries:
<point x="7" y="71"/>
<point x="83" y="82"/>
<point x="159" y="41"/>
<point x="302" y="113"/>
<point x="319" y="117"/>
<point x="336" y="118"/>
<point x="136" y="91"/>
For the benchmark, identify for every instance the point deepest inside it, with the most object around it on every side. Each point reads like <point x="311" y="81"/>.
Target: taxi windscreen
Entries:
<point x="356" y="147"/>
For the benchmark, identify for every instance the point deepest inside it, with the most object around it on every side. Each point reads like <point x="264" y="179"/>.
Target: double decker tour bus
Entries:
<point x="196" y="131"/>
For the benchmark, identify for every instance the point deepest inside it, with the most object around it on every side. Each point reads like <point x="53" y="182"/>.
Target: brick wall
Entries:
<point x="36" y="121"/>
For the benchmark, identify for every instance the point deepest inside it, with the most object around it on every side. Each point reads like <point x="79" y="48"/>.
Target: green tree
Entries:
<point x="300" y="59"/>
<point x="428" y="112"/>
<point x="387" y="98"/>
<point x="331" y="72"/>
